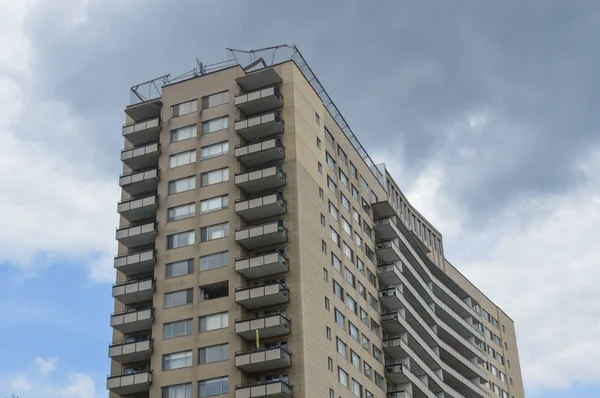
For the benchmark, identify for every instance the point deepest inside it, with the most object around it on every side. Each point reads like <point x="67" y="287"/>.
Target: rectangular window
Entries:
<point x="368" y="230"/>
<point x="364" y="184"/>
<point x="360" y="265"/>
<point x="214" y="261"/>
<point x="210" y="387"/>
<point x="214" y="150"/>
<point x="353" y="331"/>
<point x="364" y="316"/>
<point x="329" y="138"/>
<point x="373" y="302"/>
<point x="342" y="349"/>
<point x="346" y="227"/>
<point x="327" y="303"/>
<point x="375" y="328"/>
<point x="345" y="202"/>
<point x="179" y="298"/>
<point x="214" y="204"/>
<point x="368" y="370"/>
<point x="323" y="246"/>
<point x="181" y="212"/>
<point x="336" y="262"/>
<point x="328" y="332"/>
<point x="356" y="216"/>
<point x="353" y="170"/>
<point x="182" y="158"/>
<point x="330" y="363"/>
<point x="338" y="290"/>
<point x="355" y="193"/>
<point x="322" y="219"/>
<point x="177" y="391"/>
<point x="179" y="268"/>
<point x="343" y="177"/>
<point x="371" y="278"/>
<point x="330" y="160"/>
<point x="356" y="389"/>
<point x="319" y="167"/>
<point x="325" y="274"/>
<point x="210" y="101"/>
<point x="180" y="240"/>
<point x="317" y="119"/>
<point x="214" y="291"/>
<point x="335" y="237"/>
<point x="350" y="278"/>
<point x="182" y="185"/>
<point x="343" y="377"/>
<point x="379" y="381"/>
<point x="331" y="393"/>
<point x="342" y="155"/>
<point x="215" y="353"/>
<point x="214" y="177"/>
<point x="348" y="252"/>
<point x="351" y="303"/>
<point x="214" y="232"/>
<point x="366" y="344"/>
<point x="331" y="185"/>
<point x="340" y="319"/>
<point x="177" y="360"/>
<point x="355" y="359"/>
<point x="184" y="108"/>
<point x="358" y="240"/>
<point x="214" y="321"/>
<point x="217" y="124"/>
<point x="318" y="143"/>
<point x="333" y="210"/>
<point x="177" y="329"/>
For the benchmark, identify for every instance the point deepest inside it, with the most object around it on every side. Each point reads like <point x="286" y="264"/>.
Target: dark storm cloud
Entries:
<point x="403" y="71"/>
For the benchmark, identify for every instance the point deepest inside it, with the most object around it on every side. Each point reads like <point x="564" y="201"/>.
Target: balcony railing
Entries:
<point x="390" y="296"/>
<point x="140" y="182"/>
<point x="260" y="126"/>
<point x="143" y="132"/>
<point x="138" y="209"/>
<point x="265" y="295"/>
<point x="133" y="321"/>
<point x="134" y="291"/>
<point x="129" y="383"/>
<point x="388" y="250"/>
<point x="258" y="266"/>
<point x="261" y="152"/>
<point x="137" y="235"/>
<point x="256" y="208"/>
<point x="136" y="262"/>
<point x="259" y="101"/>
<point x="267" y="326"/>
<point x="129" y="351"/>
<point x="267" y="389"/>
<point x="264" y="235"/>
<point x="253" y="181"/>
<point x="390" y="273"/>
<point x="263" y="359"/>
<point x="141" y="157"/>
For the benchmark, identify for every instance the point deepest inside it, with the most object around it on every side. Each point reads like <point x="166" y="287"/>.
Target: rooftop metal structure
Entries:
<point x="255" y="60"/>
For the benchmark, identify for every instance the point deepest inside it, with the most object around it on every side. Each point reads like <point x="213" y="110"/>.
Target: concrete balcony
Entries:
<point x="273" y="325"/>
<point x="253" y="267"/>
<point x="260" y="126"/>
<point x="251" y="209"/>
<point x="398" y="394"/>
<point x="263" y="359"/>
<point x="263" y="235"/>
<point x="395" y="347"/>
<point x="390" y="273"/>
<point x="387" y="228"/>
<point x="397" y="373"/>
<point x="391" y="322"/>
<point x="133" y="321"/>
<point x="131" y="351"/>
<point x="261" y="152"/>
<point x="265" y="295"/>
<point x="140" y="182"/>
<point x="137" y="235"/>
<point x="143" y="132"/>
<point x="270" y="178"/>
<point x="138" y="209"/>
<point x="259" y="79"/>
<point x="134" y="291"/>
<point x="144" y="110"/>
<point x="129" y="383"/>
<point x="390" y="297"/>
<point x="259" y="101"/>
<point x="269" y="389"/>
<point x="136" y="263"/>
<point x="388" y="250"/>
<point x="141" y="157"/>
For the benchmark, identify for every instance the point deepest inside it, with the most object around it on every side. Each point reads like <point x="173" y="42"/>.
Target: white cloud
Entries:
<point x="44" y="379"/>
<point x="57" y="206"/>
<point x="45" y="365"/>
<point x="545" y="273"/>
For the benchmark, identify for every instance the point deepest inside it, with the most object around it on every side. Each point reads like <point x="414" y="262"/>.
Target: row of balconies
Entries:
<point x="259" y="128"/>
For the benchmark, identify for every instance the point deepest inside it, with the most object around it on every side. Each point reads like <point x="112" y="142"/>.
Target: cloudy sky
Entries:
<point x="489" y="106"/>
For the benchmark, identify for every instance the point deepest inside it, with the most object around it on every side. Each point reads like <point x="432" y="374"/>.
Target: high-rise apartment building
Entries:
<point x="263" y="254"/>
